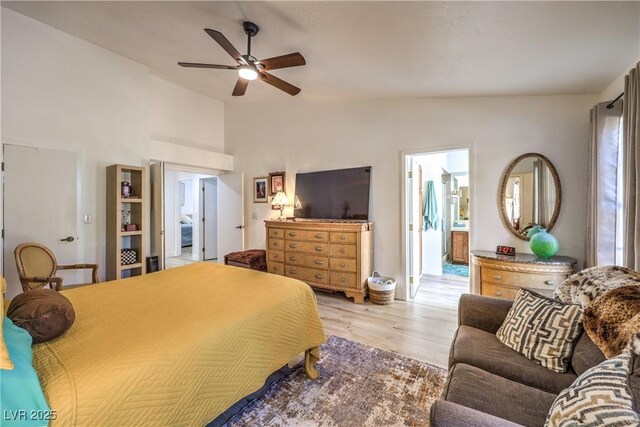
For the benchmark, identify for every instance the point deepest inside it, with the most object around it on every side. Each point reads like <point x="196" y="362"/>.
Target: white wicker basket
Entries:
<point x="382" y="290"/>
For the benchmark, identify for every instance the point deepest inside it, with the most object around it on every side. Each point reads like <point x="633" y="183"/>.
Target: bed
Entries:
<point x="186" y="235"/>
<point x="176" y="347"/>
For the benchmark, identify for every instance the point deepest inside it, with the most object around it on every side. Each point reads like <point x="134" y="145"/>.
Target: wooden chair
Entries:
<point x="37" y="267"/>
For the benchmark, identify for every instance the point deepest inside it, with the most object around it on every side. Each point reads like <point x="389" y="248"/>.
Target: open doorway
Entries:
<point x="195" y="215"/>
<point x="183" y="218"/>
<point x="437" y="209"/>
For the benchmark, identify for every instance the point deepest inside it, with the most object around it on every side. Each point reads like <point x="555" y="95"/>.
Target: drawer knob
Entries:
<point x="342" y="250"/>
<point x="319" y="276"/>
<point x="275" y="255"/>
<point x="292" y="234"/>
<point x="293" y="271"/>
<point x="497" y="277"/>
<point x="342" y="264"/>
<point x="318" y="262"/>
<point x="293" y="258"/>
<point x="293" y="245"/>
<point x="550" y="282"/>
<point x="318" y="248"/>
<point x="275" y="243"/>
<point x="498" y="293"/>
<point x="342" y="237"/>
<point x="319" y="236"/>
<point x="343" y="279"/>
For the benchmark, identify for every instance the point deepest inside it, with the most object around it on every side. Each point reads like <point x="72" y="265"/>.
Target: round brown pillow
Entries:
<point x="46" y="314"/>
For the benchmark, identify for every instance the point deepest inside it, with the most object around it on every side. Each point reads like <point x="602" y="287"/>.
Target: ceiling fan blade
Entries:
<point x="284" y="61"/>
<point x="241" y="87"/>
<point x="198" y="65"/>
<point x="225" y="44"/>
<point x="278" y="83"/>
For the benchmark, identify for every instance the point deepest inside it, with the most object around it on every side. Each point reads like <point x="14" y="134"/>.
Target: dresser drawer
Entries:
<point x="276" y="244"/>
<point x="277" y="256"/>
<point x="276" y="232"/>
<point x="342" y="237"/>
<point x="343" y="251"/>
<point x="343" y="264"/>
<point x="308" y="235"/>
<point x="275" y="267"/>
<point x="506" y="292"/>
<point x="307" y="274"/>
<point x="307" y="260"/>
<point x="346" y="280"/>
<point x="521" y="280"/>
<point x="308" y="247"/>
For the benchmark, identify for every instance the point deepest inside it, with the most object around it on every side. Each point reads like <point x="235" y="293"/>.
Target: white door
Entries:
<point x="209" y="218"/>
<point x="157" y="213"/>
<point x="40" y="205"/>
<point x="230" y="214"/>
<point x="414" y="226"/>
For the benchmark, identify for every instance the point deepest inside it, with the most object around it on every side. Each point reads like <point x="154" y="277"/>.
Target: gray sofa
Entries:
<point x="491" y="385"/>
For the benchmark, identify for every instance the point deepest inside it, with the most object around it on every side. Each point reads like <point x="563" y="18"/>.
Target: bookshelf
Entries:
<point x="121" y="211"/>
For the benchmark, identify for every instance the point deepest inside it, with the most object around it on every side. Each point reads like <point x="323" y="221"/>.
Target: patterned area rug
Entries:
<point x="456" y="269"/>
<point x="359" y="385"/>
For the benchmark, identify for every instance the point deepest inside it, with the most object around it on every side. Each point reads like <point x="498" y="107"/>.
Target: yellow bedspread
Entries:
<point x="176" y="347"/>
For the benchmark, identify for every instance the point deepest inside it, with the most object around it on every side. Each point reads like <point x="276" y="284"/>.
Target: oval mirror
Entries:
<point x="529" y="194"/>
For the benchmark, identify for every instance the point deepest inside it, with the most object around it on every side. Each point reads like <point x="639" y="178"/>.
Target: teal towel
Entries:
<point x="430" y="208"/>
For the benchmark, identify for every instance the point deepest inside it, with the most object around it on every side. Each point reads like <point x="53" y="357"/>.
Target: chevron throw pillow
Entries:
<point x="601" y="396"/>
<point x="542" y="329"/>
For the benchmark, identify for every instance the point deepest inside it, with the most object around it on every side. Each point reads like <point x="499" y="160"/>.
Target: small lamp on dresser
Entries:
<point x="280" y="200"/>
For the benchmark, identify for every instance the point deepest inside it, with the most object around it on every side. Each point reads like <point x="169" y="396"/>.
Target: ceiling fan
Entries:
<point x="249" y="68"/>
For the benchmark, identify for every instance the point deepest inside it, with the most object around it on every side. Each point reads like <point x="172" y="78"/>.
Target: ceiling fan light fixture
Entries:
<point x="247" y="73"/>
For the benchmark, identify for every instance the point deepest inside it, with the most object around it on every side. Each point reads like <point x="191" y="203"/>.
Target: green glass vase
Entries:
<point x="544" y="244"/>
<point x="533" y="231"/>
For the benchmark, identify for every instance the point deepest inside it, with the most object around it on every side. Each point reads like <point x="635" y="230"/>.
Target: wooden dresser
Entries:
<point x="332" y="255"/>
<point x="501" y="276"/>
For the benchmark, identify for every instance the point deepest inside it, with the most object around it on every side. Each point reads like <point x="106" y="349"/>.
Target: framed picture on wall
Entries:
<point x="260" y="190"/>
<point x="276" y="183"/>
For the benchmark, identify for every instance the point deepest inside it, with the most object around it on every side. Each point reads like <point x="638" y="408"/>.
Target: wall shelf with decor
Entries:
<point x="126" y="221"/>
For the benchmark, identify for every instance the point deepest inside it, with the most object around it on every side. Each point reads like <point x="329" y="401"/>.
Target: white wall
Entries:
<point x="299" y="135"/>
<point x="61" y="92"/>
<point x="185" y="117"/>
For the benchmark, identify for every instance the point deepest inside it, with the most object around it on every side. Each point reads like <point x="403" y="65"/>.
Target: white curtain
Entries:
<point x="631" y="158"/>
<point x="603" y="202"/>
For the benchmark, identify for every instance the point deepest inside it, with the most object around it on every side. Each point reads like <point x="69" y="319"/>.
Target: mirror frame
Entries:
<point x="503" y="187"/>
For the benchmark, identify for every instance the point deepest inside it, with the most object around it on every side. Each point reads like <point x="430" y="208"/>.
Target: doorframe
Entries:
<point x="405" y="156"/>
<point x="202" y="215"/>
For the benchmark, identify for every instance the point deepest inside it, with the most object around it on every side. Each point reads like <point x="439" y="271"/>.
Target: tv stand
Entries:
<point x="334" y="255"/>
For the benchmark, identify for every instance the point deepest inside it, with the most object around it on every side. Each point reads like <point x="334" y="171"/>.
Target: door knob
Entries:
<point x="68" y="239"/>
<point x="239" y="227"/>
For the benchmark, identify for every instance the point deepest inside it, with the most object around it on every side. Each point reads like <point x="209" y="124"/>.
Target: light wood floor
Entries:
<point x="421" y="329"/>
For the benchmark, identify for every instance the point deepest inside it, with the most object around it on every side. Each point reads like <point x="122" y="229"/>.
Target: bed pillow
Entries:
<point x="613" y="318"/>
<point x="22" y="402"/>
<point x="600" y="396"/>
<point x="542" y="330"/>
<point x="46" y="314"/>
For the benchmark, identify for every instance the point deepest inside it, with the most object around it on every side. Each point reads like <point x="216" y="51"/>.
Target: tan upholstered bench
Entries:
<point x="253" y="259"/>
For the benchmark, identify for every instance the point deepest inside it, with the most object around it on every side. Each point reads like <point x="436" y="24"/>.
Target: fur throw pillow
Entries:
<point x="613" y="318"/>
<point x="584" y="287"/>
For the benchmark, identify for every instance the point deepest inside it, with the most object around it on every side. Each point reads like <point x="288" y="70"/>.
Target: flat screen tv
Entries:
<point x="335" y="194"/>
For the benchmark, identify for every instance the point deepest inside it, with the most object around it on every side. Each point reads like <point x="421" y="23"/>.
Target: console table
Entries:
<point x="331" y="255"/>
<point x="502" y="276"/>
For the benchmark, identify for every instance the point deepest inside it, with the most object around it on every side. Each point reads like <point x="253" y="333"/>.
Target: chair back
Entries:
<point x="34" y="260"/>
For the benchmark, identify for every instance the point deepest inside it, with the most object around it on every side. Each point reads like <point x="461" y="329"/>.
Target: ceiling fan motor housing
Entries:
<point x="250" y="28"/>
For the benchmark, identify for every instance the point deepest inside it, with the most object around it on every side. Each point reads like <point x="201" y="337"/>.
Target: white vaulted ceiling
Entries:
<point x="357" y="50"/>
